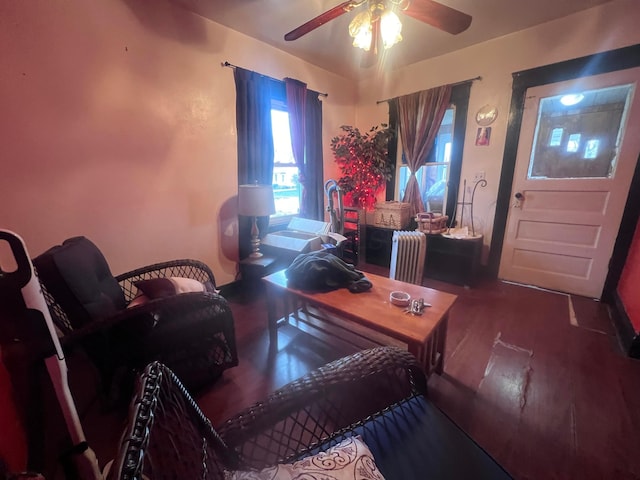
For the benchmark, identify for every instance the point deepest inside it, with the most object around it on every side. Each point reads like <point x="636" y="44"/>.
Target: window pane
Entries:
<point x="286" y="188"/>
<point x="579" y="138"/>
<point x="283" y="152"/>
<point x="435" y="187"/>
<point x="432" y="179"/>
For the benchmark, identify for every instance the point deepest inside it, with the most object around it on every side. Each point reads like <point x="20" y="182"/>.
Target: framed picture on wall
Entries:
<point x="483" y="136"/>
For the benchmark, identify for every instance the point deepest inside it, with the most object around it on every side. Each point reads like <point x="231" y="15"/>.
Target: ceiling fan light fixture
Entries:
<point x="361" y="30"/>
<point x="390" y="29"/>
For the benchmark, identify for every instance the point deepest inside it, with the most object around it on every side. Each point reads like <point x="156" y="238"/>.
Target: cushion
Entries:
<point x="415" y="437"/>
<point x="349" y="459"/>
<point x="78" y="276"/>
<point x="154" y="288"/>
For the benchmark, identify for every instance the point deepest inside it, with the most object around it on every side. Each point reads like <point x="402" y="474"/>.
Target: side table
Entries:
<point x="253" y="269"/>
<point x="256" y="268"/>
<point x="453" y="260"/>
<point x="377" y="248"/>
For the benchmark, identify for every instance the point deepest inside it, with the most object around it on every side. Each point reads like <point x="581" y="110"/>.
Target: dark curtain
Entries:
<point x="315" y="173"/>
<point x="253" y="122"/>
<point x="419" y="117"/>
<point x="390" y="190"/>
<point x="304" y="108"/>
<point x="255" y="142"/>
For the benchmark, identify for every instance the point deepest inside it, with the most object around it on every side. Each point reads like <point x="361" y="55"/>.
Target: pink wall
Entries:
<point x="118" y="123"/>
<point x="629" y="281"/>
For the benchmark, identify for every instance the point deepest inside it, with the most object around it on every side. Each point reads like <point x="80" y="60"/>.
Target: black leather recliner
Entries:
<point x="170" y="312"/>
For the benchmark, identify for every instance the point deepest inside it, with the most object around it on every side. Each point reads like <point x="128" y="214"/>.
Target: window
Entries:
<point x="445" y="158"/>
<point x="584" y="136"/>
<point x="286" y="188"/>
<point x="433" y="176"/>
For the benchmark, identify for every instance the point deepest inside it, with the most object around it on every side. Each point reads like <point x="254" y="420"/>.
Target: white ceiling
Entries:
<point x="329" y="46"/>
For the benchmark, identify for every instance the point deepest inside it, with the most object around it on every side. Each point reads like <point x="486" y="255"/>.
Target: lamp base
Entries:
<point x="255" y="240"/>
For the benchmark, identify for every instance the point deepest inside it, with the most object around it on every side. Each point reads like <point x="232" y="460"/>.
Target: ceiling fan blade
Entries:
<point x="438" y="15"/>
<point x="320" y="20"/>
<point x="370" y="57"/>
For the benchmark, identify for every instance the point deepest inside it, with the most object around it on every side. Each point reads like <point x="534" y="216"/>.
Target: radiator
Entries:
<point x="408" y="250"/>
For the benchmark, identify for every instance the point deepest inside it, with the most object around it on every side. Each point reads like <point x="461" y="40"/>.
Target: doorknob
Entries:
<point x="519" y="198"/>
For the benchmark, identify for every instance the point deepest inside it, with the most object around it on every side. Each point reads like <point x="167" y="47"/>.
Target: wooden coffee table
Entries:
<point x="365" y="319"/>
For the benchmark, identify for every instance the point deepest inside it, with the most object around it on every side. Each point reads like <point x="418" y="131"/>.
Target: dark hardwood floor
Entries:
<point x="537" y="378"/>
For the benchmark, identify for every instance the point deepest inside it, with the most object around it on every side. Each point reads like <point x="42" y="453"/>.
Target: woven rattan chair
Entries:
<point x="192" y="333"/>
<point x="378" y="394"/>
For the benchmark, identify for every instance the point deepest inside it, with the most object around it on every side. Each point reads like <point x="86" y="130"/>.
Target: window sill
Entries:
<point x="279" y="223"/>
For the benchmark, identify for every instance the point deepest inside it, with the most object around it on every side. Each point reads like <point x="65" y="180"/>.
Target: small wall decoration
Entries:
<point x="483" y="136"/>
<point x="486" y="115"/>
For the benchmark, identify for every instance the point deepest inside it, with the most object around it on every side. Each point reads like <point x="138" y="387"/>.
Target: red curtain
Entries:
<point x="419" y="117"/>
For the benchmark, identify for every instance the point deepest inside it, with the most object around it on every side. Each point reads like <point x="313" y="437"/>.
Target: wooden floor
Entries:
<point x="535" y="377"/>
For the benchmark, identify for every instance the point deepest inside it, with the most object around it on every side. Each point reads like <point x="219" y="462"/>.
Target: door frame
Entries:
<point x="605" y="62"/>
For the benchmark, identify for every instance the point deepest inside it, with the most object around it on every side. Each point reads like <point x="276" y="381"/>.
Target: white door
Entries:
<point x="578" y="148"/>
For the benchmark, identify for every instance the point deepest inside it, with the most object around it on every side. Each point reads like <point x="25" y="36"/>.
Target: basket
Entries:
<point x="391" y="214"/>
<point x="429" y="222"/>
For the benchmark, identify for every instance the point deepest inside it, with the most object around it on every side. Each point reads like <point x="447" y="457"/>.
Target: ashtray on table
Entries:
<point x="399" y="298"/>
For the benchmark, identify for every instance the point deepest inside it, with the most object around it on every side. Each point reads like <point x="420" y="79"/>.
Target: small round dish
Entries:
<point x="399" y="298"/>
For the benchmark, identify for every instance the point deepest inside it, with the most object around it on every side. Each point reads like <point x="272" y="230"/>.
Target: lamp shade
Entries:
<point x="256" y="200"/>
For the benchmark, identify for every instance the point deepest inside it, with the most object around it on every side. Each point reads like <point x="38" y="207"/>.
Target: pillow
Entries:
<point x="350" y="459"/>
<point x="153" y="288"/>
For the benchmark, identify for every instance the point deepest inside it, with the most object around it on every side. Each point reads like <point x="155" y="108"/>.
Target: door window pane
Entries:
<point x="579" y="140"/>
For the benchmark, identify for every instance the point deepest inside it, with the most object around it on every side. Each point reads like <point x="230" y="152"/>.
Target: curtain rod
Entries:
<point x="452" y="84"/>
<point x="231" y="65"/>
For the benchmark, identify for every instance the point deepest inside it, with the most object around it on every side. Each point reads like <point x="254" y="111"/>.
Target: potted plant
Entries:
<point x="364" y="162"/>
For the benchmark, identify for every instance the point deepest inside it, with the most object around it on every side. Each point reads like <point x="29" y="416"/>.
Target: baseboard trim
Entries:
<point x="627" y="335"/>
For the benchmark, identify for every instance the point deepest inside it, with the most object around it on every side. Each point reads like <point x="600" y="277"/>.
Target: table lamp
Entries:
<point x="255" y="201"/>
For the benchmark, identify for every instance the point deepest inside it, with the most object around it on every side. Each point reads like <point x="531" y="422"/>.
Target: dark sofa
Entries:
<point x="378" y="394"/>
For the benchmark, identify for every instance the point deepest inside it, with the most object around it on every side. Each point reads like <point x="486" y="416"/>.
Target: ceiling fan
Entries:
<point x="378" y="23"/>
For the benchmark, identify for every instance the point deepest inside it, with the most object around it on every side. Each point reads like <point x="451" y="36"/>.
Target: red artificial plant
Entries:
<point x="364" y="163"/>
